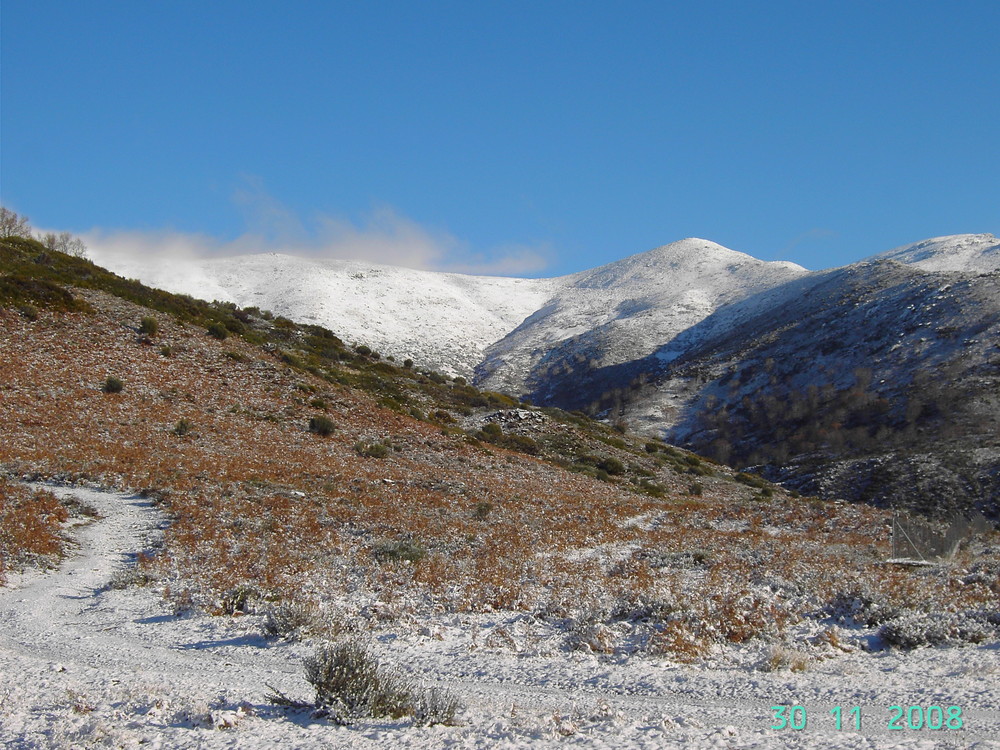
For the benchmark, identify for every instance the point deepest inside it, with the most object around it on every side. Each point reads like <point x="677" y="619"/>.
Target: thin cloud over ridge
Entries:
<point x="382" y="236"/>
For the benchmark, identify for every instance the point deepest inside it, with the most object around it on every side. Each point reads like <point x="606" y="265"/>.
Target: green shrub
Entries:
<point x="218" y="331"/>
<point x="404" y="550"/>
<point x="492" y="432"/>
<point x="521" y="444"/>
<point x="651" y="488"/>
<point x="321" y="425"/>
<point x="612" y="466"/>
<point x="752" y="480"/>
<point x="112" y="385"/>
<point x="371" y="450"/>
<point x="149" y="326"/>
<point x="183" y="427"/>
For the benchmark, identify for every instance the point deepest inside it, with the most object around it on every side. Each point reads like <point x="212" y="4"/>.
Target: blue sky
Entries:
<point x="532" y="138"/>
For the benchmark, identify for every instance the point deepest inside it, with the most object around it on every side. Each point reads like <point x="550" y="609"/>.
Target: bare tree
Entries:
<point x="64" y="242"/>
<point x="13" y="225"/>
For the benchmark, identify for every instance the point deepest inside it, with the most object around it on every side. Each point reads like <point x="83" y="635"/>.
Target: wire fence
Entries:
<point x="919" y="542"/>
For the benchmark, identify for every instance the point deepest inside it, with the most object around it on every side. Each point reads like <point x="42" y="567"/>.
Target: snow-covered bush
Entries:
<point x="435" y="706"/>
<point x="916" y="629"/>
<point x="350" y="683"/>
<point x="289" y="620"/>
<point x="861" y="607"/>
<point x="780" y="658"/>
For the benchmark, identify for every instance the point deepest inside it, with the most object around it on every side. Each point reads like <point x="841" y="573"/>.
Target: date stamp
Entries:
<point x="896" y="718"/>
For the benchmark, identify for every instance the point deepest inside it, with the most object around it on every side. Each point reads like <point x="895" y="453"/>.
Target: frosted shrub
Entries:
<point x="916" y="629"/>
<point x="435" y="706"/>
<point x="861" y="608"/>
<point x="782" y="657"/>
<point x="288" y="620"/>
<point x="350" y="683"/>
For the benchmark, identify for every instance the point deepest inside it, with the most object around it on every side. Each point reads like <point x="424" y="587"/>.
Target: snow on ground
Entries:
<point x="973" y="253"/>
<point x="440" y="320"/>
<point x="83" y="665"/>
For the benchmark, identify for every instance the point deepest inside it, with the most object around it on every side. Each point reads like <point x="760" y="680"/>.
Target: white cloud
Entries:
<point x="382" y="236"/>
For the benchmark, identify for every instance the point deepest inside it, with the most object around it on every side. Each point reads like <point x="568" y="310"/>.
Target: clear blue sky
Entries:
<point x="578" y="132"/>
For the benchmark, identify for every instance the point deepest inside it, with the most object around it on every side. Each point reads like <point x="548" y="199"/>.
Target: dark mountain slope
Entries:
<point x="877" y="382"/>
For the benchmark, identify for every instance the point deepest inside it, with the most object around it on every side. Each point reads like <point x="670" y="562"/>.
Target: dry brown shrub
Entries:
<point x="679" y="641"/>
<point x="30" y="525"/>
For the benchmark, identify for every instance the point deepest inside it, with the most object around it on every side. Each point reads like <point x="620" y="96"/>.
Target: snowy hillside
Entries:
<point x="626" y="310"/>
<point x="534" y="336"/>
<point x="616" y="313"/>
<point x="440" y="320"/>
<point x="974" y="253"/>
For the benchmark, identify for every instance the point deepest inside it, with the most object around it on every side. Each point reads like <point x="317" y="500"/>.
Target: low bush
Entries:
<point x="404" y="550"/>
<point x="149" y="326"/>
<point x="781" y="658"/>
<point x="435" y="706"/>
<point x="916" y="629"/>
<point x="857" y="607"/>
<point x="371" y="450"/>
<point x="350" y="684"/>
<point x="289" y="620"/>
<point x="322" y="426"/>
<point x="112" y="385"/>
<point x="30" y="524"/>
<point x="218" y="331"/>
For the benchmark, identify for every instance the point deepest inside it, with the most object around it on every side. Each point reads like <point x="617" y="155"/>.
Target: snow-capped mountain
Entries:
<point x="525" y="335"/>
<point x="447" y="321"/>
<point x="625" y="310"/>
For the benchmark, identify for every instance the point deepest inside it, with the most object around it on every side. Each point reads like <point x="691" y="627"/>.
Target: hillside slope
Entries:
<point x="860" y="380"/>
<point x="967" y="253"/>
<point x="443" y="321"/>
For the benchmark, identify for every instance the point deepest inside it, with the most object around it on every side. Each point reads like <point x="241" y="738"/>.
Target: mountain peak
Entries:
<point x="693" y="257"/>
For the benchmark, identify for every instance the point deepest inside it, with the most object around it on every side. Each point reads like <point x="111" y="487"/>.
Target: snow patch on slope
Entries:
<point x="972" y="253"/>
<point x="440" y="320"/>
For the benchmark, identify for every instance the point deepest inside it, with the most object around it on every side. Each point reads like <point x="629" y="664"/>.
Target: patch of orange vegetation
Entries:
<point x="258" y="502"/>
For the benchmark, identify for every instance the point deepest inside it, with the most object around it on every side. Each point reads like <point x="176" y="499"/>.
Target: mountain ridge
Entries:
<point x="657" y="341"/>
